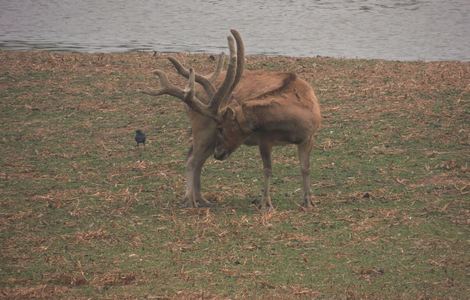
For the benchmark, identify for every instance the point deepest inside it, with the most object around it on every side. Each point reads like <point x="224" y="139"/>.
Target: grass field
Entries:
<point x="85" y="214"/>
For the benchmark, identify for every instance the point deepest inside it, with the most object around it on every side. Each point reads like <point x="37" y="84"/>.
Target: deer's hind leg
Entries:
<point x="265" y="151"/>
<point x="304" y="151"/>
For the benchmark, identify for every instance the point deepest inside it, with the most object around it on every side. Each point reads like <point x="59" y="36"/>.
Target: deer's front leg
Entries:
<point x="196" y="158"/>
<point x="265" y="151"/>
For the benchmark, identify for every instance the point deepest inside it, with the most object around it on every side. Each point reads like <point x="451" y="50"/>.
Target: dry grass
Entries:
<point x="84" y="214"/>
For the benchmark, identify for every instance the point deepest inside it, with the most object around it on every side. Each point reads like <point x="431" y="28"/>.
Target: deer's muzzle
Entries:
<point x="221" y="154"/>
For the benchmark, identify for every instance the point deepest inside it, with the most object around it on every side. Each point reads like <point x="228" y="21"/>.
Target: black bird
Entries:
<point x="140" y="137"/>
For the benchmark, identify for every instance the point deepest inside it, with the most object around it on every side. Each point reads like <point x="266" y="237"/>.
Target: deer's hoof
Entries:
<point x="187" y="204"/>
<point x="264" y="207"/>
<point x="199" y="203"/>
<point x="267" y="209"/>
<point x="307" y="205"/>
<point x="204" y="203"/>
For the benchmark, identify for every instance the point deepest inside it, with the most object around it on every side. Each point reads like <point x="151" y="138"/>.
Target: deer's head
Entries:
<point x="232" y="130"/>
<point x="228" y="136"/>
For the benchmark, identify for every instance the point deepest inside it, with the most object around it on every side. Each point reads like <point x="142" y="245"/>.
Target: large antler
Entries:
<point x="215" y="96"/>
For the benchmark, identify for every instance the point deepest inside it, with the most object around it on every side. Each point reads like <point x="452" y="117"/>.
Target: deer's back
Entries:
<point x="279" y="104"/>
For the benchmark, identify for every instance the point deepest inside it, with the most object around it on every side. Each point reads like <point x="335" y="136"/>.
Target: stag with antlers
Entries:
<point x="238" y="107"/>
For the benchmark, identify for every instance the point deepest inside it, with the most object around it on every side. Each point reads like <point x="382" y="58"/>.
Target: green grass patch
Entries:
<point x="86" y="214"/>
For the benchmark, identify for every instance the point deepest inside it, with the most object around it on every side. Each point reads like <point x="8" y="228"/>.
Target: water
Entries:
<point x="388" y="29"/>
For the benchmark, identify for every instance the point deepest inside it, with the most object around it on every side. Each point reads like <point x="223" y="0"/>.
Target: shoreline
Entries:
<point x="202" y="53"/>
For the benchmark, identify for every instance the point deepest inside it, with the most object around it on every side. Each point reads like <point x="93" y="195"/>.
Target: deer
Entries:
<point x="237" y="106"/>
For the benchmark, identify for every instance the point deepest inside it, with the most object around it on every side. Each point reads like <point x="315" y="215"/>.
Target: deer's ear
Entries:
<point x="228" y="113"/>
<point x="245" y="123"/>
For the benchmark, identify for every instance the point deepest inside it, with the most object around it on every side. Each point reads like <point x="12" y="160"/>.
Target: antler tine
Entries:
<point x="192" y="101"/>
<point x="166" y="86"/>
<point x="218" y="69"/>
<point x="206" y="84"/>
<point x="240" y="58"/>
<point x="224" y="90"/>
<point x="189" y="90"/>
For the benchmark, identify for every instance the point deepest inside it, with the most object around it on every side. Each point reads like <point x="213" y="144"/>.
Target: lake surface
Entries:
<point x="388" y="29"/>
